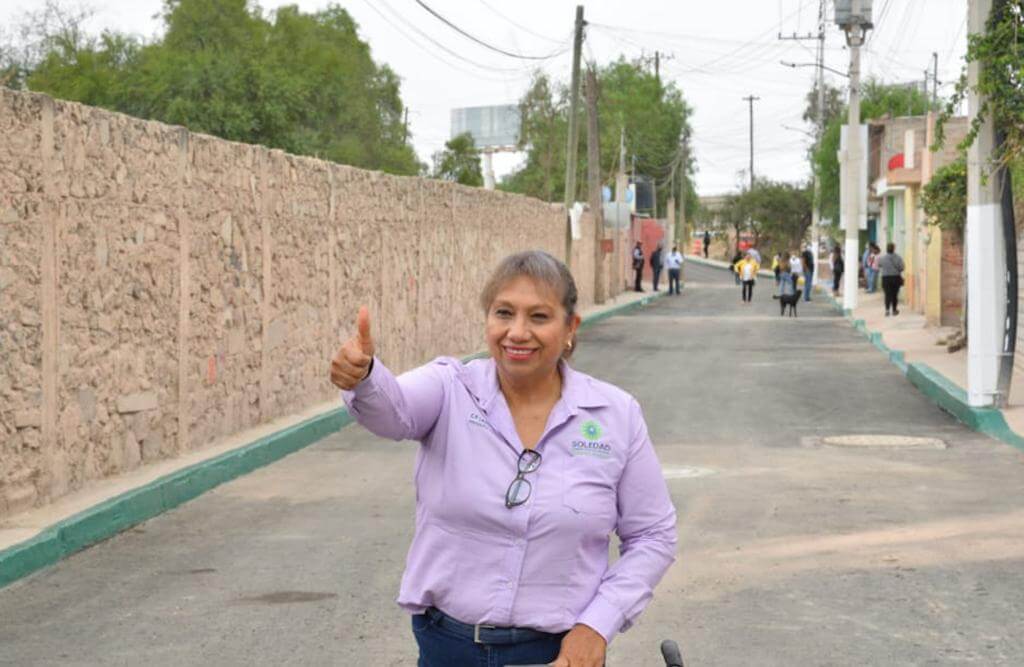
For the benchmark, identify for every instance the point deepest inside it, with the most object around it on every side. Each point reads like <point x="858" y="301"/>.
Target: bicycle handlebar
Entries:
<point x="669" y="651"/>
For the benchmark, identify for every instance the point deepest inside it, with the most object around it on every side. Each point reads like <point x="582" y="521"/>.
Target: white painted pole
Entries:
<point x="488" y="170"/>
<point x="851" y="256"/>
<point x="986" y="254"/>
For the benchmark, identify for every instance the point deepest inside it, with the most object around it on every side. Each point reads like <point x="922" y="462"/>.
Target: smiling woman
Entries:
<point x="525" y="468"/>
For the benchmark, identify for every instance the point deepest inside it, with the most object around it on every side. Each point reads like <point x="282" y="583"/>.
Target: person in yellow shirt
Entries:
<point x="746" y="269"/>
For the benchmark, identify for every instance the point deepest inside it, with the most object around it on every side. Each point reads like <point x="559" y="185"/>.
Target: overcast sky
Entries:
<point x="717" y="52"/>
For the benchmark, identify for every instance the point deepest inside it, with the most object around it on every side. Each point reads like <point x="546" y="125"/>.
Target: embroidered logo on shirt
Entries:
<point x="600" y="450"/>
<point x="591" y="444"/>
<point x="591" y="430"/>
<point x="477" y="420"/>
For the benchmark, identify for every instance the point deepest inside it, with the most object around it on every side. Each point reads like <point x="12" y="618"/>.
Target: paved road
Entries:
<point x="792" y="553"/>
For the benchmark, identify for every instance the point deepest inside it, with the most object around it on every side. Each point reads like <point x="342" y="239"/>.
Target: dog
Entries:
<point x="790" y="300"/>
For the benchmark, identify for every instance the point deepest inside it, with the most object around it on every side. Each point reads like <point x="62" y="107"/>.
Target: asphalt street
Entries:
<point x="792" y="551"/>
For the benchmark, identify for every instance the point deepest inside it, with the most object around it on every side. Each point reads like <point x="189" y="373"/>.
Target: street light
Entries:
<point x="834" y="71"/>
<point x="854" y="17"/>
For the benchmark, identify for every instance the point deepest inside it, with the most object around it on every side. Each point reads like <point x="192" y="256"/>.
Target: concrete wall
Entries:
<point x="160" y="290"/>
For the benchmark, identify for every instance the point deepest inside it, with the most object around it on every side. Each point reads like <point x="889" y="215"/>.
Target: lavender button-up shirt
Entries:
<point x="543" y="564"/>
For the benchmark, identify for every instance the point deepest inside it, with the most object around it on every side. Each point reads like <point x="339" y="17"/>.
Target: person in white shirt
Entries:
<point x="674" y="264"/>
<point x="796" y="265"/>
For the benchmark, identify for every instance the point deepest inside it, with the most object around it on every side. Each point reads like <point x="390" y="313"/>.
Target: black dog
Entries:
<point x="790" y="300"/>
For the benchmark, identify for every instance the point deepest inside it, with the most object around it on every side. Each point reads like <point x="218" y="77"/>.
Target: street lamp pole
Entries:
<point x="855" y="22"/>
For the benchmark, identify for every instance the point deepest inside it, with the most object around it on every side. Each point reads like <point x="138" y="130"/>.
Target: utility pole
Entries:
<point x="594" y="186"/>
<point x="683" y="235"/>
<point x="574" y="130"/>
<point x="986" y="265"/>
<point x="405" y="128"/>
<point x="856" y="26"/>
<point x="935" y="78"/>
<point x="819" y="129"/>
<point x="751" y="99"/>
<point x="621" y="185"/>
<point x="927" y="75"/>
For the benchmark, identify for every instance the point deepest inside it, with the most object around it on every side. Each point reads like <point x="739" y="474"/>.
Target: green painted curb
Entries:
<point x="940" y="389"/>
<point x="124" y="511"/>
<point x="953" y="400"/>
<point x="590" y="320"/>
<point x="121" y="512"/>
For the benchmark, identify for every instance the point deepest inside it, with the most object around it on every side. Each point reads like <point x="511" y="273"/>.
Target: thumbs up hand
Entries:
<point x="351" y="364"/>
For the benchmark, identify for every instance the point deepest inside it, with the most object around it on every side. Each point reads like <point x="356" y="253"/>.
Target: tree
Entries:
<point x="543" y="133"/>
<point x="780" y="213"/>
<point x="654" y="116"/>
<point x="459" y="161"/>
<point x="833" y="104"/>
<point x="944" y="198"/>
<point x="878" y="99"/>
<point x="301" y="82"/>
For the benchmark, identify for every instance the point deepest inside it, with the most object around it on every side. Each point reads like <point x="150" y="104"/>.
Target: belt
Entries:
<point x="486" y="634"/>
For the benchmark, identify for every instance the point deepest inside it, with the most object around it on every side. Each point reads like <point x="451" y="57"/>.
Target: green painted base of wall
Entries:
<point x="128" y="509"/>
<point x="121" y="512"/>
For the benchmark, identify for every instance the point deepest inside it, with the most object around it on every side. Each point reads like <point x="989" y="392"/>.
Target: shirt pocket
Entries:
<point x="589" y="490"/>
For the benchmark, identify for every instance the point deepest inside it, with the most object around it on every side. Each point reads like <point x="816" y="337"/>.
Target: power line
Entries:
<point x="520" y="26"/>
<point x="474" y="63"/>
<point x="480" y="41"/>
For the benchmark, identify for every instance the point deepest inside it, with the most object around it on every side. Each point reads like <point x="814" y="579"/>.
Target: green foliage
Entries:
<point x="301" y="82"/>
<point x="543" y="134"/>
<point x="877" y="99"/>
<point x="833" y="104"/>
<point x="944" y="198"/>
<point x="654" y="116"/>
<point x="780" y="213"/>
<point x="459" y="161"/>
<point x="1000" y="53"/>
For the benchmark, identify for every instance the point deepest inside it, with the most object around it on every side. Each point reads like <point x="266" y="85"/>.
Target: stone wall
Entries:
<point x="160" y="290"/>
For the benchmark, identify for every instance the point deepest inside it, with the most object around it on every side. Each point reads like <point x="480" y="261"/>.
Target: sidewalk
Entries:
<point x="915" y="347"/>
<point x="42" y="536"/>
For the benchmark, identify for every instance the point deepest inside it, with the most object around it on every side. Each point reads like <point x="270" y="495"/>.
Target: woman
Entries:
<point x="525" y="467"/>
<point x="746" y="269"/>
<point x="837" y="269"/>
<point x="890" y="265"/>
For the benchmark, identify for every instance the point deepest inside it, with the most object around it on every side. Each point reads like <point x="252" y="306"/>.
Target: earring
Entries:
<point x="569" y="345"/>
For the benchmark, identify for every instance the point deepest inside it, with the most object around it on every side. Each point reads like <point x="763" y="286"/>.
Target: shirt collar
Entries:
<point x="578" y="390"/>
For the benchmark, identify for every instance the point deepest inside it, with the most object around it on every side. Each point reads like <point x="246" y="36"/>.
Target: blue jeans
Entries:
<point x="441" y="648"/>
<point x="871" y="278"/>
<point x="808" y="284"/>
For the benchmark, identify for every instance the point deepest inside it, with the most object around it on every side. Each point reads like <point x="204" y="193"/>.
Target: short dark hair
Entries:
<point x="890" y="248"/>
<point x="543" y="269"/>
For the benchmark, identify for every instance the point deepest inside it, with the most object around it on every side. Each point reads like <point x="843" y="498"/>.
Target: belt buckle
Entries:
<point x="476" y="632"/>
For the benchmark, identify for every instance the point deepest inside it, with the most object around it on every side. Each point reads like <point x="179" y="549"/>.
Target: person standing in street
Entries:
<point x="736" y="259"/>
<point x="809" y="262"/>
<point x="524" y="469"/>
<point x="656" y="264"/>
<point x="674" y="264"/>
<point x="638" y="266"/>
<point x="796" y="264"/>
<point x="707" y="242"/>
<point x="837" y="269"/>
<point x="746" y="269"/>
<point x="890" y="265"/>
